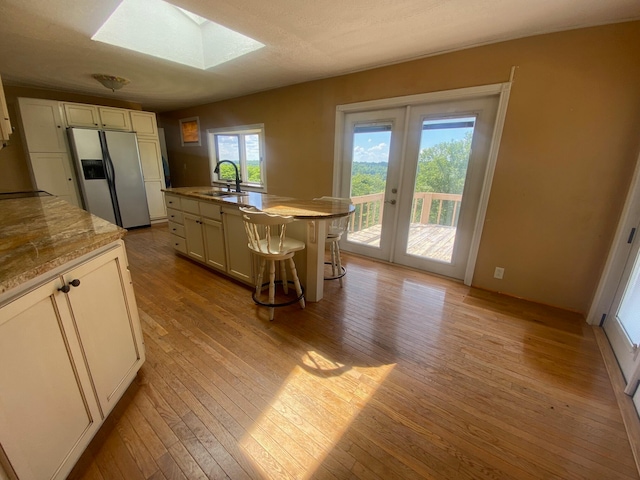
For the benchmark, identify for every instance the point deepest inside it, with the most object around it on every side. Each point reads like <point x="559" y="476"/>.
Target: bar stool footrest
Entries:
<point x="281" y="304"/>
<point x="344" y="272"/>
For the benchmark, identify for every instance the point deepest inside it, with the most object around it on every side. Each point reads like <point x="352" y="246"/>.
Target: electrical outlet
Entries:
<point x="499" y="273"/>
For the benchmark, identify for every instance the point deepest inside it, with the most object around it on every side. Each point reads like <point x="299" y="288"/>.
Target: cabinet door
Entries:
<point x="214" y="244"/>
<point x="193" y="234"/>
<point x="155" y="200"/>
<point x="106" y="316"/>
<point x="42" y="125"/>
<point x="5" y="123"/>
<point x="52" y="173"/>
<point x="144" y="123"/>
<point x="150" y="158"/>
<point x="239" y="258"/>
<point x="115" y="118"/>
<point x="48" y="411"/>
<point x="81" y="115"/>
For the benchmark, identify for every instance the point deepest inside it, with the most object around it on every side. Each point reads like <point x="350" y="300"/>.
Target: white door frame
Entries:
<point x="500" y="89"/>
<point x="615" y="273"/>
<point x="619" y="253"/>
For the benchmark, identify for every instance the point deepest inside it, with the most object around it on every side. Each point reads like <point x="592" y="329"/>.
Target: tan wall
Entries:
<point x="570" y="144"/>
<point x="15" y="170"/>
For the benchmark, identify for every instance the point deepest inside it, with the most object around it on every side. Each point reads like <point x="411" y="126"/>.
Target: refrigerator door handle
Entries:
<point x="111" y="176"/>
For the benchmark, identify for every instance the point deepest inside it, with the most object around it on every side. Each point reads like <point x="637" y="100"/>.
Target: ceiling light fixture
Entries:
<point x="111" y="82"/>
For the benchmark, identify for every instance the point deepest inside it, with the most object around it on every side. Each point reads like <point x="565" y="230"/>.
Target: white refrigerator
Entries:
<point x="110" y="175"/>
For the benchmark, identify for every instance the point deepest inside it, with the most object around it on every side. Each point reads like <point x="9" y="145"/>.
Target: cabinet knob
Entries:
<point x="67" y="288"/>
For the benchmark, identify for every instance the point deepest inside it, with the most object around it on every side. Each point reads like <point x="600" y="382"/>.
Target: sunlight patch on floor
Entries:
<point x="307" y="417"/>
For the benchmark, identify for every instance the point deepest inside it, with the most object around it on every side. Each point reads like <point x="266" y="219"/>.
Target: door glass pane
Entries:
<point x="629" y="311"/>
<point x="369" y="166"/>
<point x="445" y="146"/>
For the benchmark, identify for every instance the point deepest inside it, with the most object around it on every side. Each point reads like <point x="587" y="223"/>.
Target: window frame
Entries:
<point x="240" y="131"/>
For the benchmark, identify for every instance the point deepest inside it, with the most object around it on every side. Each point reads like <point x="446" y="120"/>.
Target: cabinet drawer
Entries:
<point x="179" y="244"/>
<point x="189" y="206"/>
<point x="210" y="210"/>
<point x="172" y="201"/>
<point x="175" y="216"/>
<point x="176" y="229"/>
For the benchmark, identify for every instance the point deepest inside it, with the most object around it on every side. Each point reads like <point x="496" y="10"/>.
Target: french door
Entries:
<point x="622" y="322"/>
<point x="616" y="305"/>
<point x="415" y="175"/>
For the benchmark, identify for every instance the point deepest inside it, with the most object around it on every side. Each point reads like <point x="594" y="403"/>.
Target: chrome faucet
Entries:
<point x="235" y="167"/>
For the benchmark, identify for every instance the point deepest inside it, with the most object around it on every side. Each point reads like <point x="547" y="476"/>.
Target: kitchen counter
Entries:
<point x="300" y="209"/>
<point x="313" y="216"/>
<point x="38" y="234"/>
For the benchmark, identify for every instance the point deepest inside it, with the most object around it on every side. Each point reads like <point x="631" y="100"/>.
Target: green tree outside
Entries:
<point x="442" y="168"/>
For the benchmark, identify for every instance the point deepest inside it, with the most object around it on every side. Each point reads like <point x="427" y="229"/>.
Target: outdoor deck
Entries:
<point x="431" y="241"/>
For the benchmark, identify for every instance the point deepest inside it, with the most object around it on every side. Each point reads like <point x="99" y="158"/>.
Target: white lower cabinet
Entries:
<point x="66" y="358"/>
<point x="193" y="235"/>
<point x="210" y="234"/>
<point x="240" y="259"/>
<point x="205" y="240"/>
<point x="214" y="244"/>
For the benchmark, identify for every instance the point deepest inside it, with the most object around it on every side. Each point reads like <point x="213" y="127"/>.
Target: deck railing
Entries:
<point x="427" y="208"/>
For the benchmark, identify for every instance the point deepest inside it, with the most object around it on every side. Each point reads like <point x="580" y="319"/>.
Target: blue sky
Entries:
<point x="374" y="146"/>
<point x="228" y="147"/>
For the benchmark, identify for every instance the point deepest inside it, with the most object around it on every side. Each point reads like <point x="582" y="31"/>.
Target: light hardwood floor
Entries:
<point x="398" y="375"/>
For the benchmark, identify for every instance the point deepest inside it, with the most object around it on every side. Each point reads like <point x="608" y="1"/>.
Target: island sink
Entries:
<point x="221" y="194"/>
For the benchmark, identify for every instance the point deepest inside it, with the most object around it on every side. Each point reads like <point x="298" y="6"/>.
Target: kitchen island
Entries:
<point x="312" y="229"/>
<point x="70" y="336"/>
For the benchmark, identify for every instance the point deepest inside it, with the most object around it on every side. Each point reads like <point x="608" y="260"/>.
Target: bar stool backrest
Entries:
<point x="266" y="232"/>
<point x="338" y="226"/>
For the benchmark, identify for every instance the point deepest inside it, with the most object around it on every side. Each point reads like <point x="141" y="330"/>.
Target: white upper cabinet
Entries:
<point x="144" y="123"/>
<point x="115" y="119"/>
<point x="82" y="115"/>
<point x="93" y="116"/>
<point x="42" y="125"/>
<point x="5" y="123"/>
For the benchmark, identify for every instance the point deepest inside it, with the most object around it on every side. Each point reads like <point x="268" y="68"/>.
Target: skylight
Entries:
<point x="162" y="30"/>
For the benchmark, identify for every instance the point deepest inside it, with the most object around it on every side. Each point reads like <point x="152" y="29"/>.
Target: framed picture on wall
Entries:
<point x="190" y="132"/>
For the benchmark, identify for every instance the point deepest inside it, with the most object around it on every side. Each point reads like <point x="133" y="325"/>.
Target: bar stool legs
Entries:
<point x="271" y="303"/>
<point x="337" y="270"/>
<point x="267" y="239"/>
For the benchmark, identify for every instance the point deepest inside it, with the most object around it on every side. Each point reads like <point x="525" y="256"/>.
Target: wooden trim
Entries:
<point x="625" y="403"/>
<point x="407" y="100"/>
<point x="483" y="203"/>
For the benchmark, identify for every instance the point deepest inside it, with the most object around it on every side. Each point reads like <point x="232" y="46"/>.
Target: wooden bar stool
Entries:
<point x="335" y="230"/>
<point x="267" y="238"/>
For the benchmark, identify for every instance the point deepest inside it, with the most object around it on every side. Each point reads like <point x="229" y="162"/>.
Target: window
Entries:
<point x="244" y="147"/>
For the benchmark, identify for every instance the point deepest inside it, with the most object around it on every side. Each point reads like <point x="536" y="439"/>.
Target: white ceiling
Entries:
<point x="47" y="43"/>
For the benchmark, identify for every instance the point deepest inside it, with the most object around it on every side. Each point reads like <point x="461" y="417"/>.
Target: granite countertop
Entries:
<point x="41" y="233"/>
<point x="298" y="208"/>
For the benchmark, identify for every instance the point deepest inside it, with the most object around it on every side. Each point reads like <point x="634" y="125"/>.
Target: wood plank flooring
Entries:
<point x="397" y="375"/>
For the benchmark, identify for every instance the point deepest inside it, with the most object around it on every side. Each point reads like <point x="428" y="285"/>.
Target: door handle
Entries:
<point x="392" y="202"/>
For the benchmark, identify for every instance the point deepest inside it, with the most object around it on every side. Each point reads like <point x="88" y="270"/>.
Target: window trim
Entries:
<point x="241" y="131"/>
